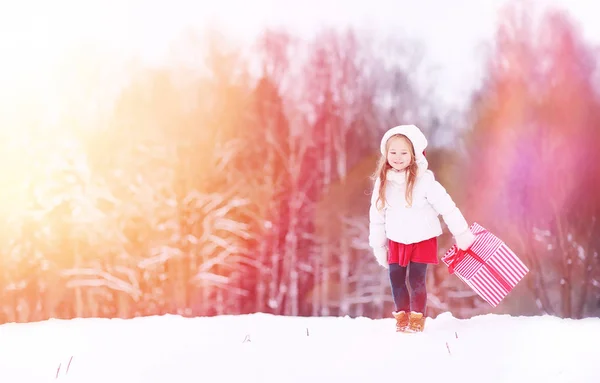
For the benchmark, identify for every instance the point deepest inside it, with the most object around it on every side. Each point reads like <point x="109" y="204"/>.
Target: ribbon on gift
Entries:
<point x="459" y="255"/>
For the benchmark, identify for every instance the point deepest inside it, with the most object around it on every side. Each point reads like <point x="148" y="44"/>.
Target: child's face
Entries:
<point x="399" y="153"/>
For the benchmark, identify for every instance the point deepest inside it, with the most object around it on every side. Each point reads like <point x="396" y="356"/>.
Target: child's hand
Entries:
<point x="465" y="240"/>
<point x="381" y="255"/>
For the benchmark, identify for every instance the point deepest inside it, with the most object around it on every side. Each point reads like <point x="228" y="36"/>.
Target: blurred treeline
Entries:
<point x="236" y="178"/>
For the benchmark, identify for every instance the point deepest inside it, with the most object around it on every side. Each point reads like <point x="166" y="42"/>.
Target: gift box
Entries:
<point x="489" y="266"/>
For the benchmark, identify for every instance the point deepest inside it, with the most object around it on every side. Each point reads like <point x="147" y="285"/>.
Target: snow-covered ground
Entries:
<point x="265" y="348"/>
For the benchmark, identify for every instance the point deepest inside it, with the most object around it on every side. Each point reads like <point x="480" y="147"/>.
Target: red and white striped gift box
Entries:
<point x="489" y="267"/>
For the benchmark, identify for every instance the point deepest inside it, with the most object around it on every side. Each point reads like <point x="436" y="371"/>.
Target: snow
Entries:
<point x="267" y="348"/>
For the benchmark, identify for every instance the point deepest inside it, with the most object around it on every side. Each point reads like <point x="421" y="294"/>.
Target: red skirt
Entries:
<point x="420" y="252"/>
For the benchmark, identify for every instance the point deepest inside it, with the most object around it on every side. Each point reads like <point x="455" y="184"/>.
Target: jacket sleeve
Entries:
<point x="377" y="236"/>
<point x="443" y="204"/>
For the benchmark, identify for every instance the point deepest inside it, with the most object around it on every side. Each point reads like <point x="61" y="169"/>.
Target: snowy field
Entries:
<point x="265" y="348"/>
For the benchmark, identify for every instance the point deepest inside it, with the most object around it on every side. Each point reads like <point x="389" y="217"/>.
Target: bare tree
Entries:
<point x="539" y="101"/>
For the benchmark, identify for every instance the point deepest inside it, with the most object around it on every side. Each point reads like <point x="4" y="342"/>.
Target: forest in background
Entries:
<point x="236" y="178"/>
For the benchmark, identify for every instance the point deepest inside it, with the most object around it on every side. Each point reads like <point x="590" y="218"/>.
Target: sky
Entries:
<point x="451" y="30"/>
<point x="264" y="348"/>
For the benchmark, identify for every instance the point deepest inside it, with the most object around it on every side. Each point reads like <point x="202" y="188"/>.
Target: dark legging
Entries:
<point x="416" y="300"/>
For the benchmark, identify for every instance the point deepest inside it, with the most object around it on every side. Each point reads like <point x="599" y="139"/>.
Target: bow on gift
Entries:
<point x="459" y="255"/>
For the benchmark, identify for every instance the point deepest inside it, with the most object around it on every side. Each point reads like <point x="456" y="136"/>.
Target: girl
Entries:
<point x="404" y="223"/>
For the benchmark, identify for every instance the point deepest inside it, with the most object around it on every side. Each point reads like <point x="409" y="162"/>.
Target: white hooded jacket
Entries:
<point x="403" y="224"/>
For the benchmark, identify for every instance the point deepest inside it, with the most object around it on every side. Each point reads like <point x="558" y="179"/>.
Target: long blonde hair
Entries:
<point x="383" y="166"/>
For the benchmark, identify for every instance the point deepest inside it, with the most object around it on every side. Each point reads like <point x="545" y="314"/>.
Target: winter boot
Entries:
<point x="416" y="322"/>
<point x="401" y="320"/>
